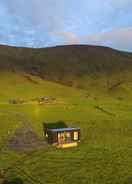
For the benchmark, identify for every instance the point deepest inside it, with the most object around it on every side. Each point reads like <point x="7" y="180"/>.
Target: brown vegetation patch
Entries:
<point x="26" y="139"/>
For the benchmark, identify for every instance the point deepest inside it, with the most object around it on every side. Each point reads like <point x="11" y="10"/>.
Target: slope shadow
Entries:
<point x="54" y="125"/>
<point x="128" y="180"/>
<point x="13" y="181"/>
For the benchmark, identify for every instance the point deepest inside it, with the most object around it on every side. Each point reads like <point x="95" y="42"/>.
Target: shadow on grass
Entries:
<point x="128" y="181"/>
<point x="13" y="181"/>
<point x="54" y="125"/>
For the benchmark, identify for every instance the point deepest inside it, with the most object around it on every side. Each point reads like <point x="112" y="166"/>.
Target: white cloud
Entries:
<point x="121" y="3"/>
<point x="69" y="37"/>
<point x="53" y="22"/>
<point x="118" y="38"/>
<point x="47" y="13"/>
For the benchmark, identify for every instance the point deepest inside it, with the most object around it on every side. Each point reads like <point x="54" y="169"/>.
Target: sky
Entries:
<point x="44" y="23"/>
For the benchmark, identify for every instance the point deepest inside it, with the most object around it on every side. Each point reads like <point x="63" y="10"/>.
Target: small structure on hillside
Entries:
<point x="16" y="101"/>
<point x="45" y="100"/>
<point x="61" y="137"/>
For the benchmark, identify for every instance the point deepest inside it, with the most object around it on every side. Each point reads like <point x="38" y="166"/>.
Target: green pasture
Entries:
<point x="104" y="155"/>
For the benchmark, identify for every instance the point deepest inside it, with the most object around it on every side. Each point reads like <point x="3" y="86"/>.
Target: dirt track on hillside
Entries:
<point x="25" y="138"/>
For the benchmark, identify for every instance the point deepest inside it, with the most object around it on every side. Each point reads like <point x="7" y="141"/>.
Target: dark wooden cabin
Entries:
<point x="62" y="137"/>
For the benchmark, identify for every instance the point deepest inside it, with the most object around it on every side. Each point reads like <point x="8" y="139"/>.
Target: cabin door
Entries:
<point x="61" y="137"/>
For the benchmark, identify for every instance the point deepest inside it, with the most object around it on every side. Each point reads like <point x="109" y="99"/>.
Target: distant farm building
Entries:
<point x="62" y="137"/>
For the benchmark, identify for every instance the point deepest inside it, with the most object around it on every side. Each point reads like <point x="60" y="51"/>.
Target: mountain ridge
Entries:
<point x="72" y="65"/>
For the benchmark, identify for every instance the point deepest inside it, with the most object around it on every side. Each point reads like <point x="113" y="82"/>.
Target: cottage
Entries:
<point x="63" y="137"/>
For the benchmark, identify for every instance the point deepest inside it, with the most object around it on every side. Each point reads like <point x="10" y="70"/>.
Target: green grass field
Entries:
<point x="104" y="155"/>
<point x="92" y="89"/>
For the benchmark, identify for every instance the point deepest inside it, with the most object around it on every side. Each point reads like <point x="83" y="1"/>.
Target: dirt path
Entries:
<point x="25" y="137"/>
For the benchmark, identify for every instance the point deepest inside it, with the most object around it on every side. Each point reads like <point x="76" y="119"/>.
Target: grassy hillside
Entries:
<point x="104" y="154"/>
<point x="90" y="88"/>
<point x="77" y="66"/>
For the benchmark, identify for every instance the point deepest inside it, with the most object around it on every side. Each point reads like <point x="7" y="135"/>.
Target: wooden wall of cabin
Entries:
<point x="54" y="137"/>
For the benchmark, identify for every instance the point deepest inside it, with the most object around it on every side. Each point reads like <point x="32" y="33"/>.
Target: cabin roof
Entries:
<point x="62" y="129"/>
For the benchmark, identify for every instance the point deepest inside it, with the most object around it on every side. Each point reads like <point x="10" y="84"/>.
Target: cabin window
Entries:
<point x="64" y="136"/>
<point x="75" y="136"/>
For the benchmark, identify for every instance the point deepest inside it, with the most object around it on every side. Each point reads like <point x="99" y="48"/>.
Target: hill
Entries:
<point x="71" y="65"/>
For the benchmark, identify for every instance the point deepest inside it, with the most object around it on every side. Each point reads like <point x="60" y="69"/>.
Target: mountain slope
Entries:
<point x="71" y="60"/>
<point x="79" y="66"/>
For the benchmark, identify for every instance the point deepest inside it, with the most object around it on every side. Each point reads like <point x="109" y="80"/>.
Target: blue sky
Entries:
<point x="42" y="23"/>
